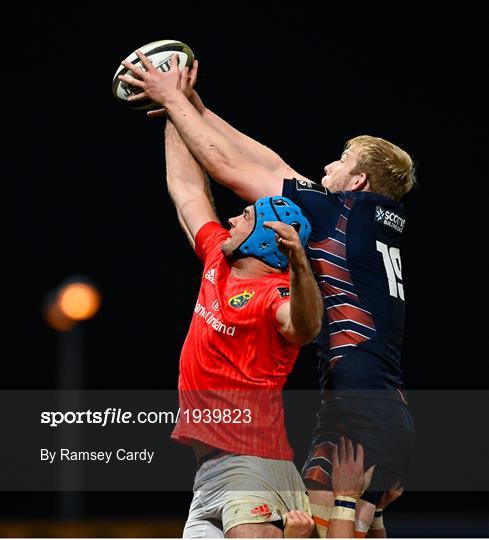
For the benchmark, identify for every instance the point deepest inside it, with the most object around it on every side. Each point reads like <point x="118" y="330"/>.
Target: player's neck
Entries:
<point x="251" y="268"/>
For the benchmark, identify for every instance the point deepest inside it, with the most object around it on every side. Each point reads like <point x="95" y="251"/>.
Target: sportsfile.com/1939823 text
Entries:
<point x="113" y="415"/>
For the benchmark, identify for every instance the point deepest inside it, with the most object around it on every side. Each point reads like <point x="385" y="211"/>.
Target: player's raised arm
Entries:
<point x="187" y="185"/>
<point x="227" y="162"/>
<point x="300" y="319"/>
<point x="256" y="151"/>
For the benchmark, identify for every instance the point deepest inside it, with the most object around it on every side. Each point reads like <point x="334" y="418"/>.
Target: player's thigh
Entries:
<point x="321" y="497"/>
<point x="255" y="530"/>
<point x="203" y="528"/>
<point x="258" y="491"/>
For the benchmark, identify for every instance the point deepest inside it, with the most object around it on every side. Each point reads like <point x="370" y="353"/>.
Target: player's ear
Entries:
<point x="360" y="182"/>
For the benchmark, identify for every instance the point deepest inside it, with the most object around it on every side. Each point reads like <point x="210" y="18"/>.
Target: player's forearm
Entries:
<point x="377" y="528"/>
<point x="256" y="151"/>
<point x="185" y="178"/>
<point x="306" y="303"/>
<point x="342" y="522"/>
<point x="214" y="151"/>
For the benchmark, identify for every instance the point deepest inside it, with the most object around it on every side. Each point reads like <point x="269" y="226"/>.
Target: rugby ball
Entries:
<point x="160" y="53"/>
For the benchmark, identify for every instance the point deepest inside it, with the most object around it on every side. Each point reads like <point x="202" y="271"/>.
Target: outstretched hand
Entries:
<point x="156" y="85"/>
<point x="188" y="78"/>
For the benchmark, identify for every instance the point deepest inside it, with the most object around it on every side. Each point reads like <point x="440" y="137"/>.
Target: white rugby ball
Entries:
<point x="160" y="53"/>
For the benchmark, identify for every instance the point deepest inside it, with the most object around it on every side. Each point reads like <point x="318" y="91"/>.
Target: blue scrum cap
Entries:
<point x="261" y="241"/>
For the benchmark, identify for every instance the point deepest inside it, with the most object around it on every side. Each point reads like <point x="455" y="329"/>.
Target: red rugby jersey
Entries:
<point x="234" y="361"/>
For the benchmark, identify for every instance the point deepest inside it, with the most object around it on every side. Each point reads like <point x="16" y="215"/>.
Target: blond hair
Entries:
<point x="389" y="169"/>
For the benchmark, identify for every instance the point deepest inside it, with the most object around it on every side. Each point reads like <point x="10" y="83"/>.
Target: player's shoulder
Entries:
<point x="209" y="239"/>
<point x="371" y="196"/>
<point x="210" y="229"/>
<point x="310" y="194"/>
<point x="276" y="286"/>
<point x="304" y="184"/>
<point x="379" y="209"/>
<point x="369" y="199"/>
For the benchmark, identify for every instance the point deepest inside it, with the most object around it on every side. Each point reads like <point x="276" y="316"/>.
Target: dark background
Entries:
<point x="90" y="194"/>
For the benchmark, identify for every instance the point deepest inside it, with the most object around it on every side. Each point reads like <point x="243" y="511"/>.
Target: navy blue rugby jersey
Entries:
<point x="354" y="250"/>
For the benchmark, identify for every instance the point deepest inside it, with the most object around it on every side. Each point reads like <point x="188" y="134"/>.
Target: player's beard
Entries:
<point x="339" y="184"/>
<point x="227" y="248"/>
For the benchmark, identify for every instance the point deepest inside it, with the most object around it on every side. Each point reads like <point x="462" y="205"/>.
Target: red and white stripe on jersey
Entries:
<point x="349" y="323"/>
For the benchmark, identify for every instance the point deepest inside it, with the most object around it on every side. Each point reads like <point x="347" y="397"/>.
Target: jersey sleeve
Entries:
<point x="280" y="296"/>
<point x="320" y="206"/>
<point x="208" y="237"/>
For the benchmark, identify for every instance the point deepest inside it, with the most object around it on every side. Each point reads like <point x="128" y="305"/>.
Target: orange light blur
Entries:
<point x="79" y="301"/>
<point x="57" y="319"/>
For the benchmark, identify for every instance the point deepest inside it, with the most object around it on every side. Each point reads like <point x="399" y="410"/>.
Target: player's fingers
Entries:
<point x="335" y="456"/>
<point x="304" y="516"/>
<point x="156" y="113"/>
<point x="350" y="455"/>
<point x="184" y="80"/>
<point x="289" y="244"/>
<point x="368" y="477"/>
<point x="274" y="225"/>
<point x="132" y="81"/>
<point x="293" y="515"/>
<point x="280" y="228"/>
<point x="136" y="70"/>
<point x="193" y="74"/>
<point x="289" y="518"/>
<point x="342" y="447"/>
<point x="141" y="96"/>
<point x="144" y="60"/>
<point x="175" y="60"/>
<point x="360" y="455"/>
